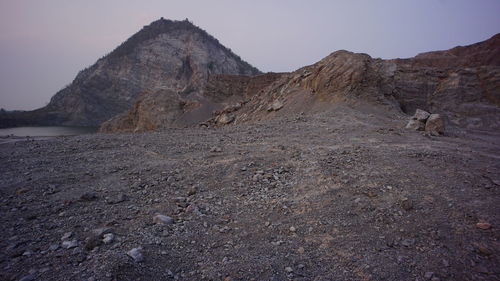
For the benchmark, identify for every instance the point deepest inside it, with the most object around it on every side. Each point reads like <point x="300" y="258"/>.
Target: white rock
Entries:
<point x="275" y="106"/>
<point x="66" y="236"/>
<point x="434" y="125"/>
<point x="136" y="254"/>
<point x="69" y="244"/>
<point x="421" y="115"/>
<point x="108" y="238"/>
<point x="162" y="219"/>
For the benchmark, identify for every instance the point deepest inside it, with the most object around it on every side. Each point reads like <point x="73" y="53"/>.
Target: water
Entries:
<point x="49" y="131"/>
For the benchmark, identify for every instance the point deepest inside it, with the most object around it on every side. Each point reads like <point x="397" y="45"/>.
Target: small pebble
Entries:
<point x="108" y="238"/>
<point x="136" y="254"/>
<point x="66" y="236"/>
<point x="483" y="225"/>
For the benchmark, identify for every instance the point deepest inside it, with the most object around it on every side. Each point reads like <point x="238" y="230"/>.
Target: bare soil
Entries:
<point x="343" y="195"/>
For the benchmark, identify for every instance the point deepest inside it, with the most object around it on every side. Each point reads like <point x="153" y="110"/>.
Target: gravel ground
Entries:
<point x="337" y="196"/>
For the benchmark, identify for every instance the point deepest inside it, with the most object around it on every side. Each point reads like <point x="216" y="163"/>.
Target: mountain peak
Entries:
<point x="151" y="31"/>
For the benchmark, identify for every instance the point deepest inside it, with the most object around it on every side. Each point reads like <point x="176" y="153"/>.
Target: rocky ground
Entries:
<point x="343" y="195"/>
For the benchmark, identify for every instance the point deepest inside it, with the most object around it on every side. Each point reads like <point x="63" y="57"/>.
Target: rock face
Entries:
<point x="461" y="84"/>
<point x="165" y="56"/>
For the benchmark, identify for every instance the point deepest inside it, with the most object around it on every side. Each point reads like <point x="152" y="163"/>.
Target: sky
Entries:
<point x="44" y="43"/>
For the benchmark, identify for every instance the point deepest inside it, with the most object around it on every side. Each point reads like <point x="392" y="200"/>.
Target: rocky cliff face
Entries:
<point x="165" y="56"/>
<point x="173" y="74"/>
<point x="462" y="84"/>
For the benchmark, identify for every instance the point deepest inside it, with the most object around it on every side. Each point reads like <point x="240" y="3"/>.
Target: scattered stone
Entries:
<point x="408" y="242"/>
<point x="434" y="125"/>
<point x="193" y="209"/>
<point x="29" y="277"/>
<point x="224" y="119"/>
<point x="192" y="191"/>
<point x="288" y="269"/>
<point x="421" y="115"/>
<point x="483" y="225"/>
<point x="292" y="229"/>
<point x="69" y="244"/>
<point x="406" y="204"/>
<point x="108" y="238"/>
<point x="162" y="219"/>
<point x="415" y="125"/>
<point x="136" y="254"/>
<point x="92" y="242"/>
<point x="428" y="275"/>
<point x="53" y="247"/>
<point x="66" y="236"/>
<point x="88" y="196"/>
<point x="216" y="149"/>
<point x="275" y="106"/>
<point x="301" y="250"/>
<point x="118" y="199"/>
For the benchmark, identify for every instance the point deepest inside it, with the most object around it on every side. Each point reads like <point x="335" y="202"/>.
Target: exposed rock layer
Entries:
<point x="164" y="56"/>
<point x="173" y="74"/>
<point x="462" y="84"/>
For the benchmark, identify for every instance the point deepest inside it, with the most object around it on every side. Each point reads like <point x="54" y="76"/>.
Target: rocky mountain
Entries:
<point x="173" y="74"/>
<point x="165" y="56"/>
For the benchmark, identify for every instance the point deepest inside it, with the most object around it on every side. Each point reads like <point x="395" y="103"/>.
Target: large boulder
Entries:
<point x="434" y="125"/>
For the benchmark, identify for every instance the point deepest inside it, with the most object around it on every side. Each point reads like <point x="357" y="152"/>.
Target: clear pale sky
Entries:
<point x="43" y="44"/>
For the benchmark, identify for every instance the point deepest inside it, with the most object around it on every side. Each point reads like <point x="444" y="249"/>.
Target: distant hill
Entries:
<point x="175" y="56"/>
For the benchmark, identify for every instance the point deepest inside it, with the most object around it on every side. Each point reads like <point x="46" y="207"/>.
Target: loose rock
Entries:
<point x="108" y="238"/>
<point x="415" y="125"/>
<point x="483" y="225"/>
<point x="434" y="125"/>
<point x="421" y="115"/>
<point x="275" y="106"/>
<point x="136" y="254"/>
<point x="69" y="244"/>
<point x="162" y="219"/>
